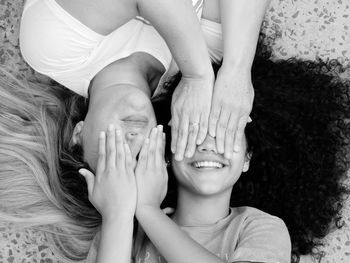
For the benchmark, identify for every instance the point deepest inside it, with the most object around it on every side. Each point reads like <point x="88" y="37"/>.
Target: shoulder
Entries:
<point x="261" y="236"/>
<point x="255" y="219"/>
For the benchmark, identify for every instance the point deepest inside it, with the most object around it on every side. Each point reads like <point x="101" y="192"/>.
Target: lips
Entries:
<point x="207" y="164"/>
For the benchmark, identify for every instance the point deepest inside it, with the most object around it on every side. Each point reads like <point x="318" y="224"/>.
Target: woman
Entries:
<point x="74" y="43"/>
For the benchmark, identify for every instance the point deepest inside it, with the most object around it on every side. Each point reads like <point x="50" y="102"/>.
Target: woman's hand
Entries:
<point x="232" y="103"/>
<point x="190" y="110"/>
<point x="151" y="173"/>
<point x="113" y="190"/>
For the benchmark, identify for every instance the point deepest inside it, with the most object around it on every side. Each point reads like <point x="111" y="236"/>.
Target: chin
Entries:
<point x="208" y="189"/>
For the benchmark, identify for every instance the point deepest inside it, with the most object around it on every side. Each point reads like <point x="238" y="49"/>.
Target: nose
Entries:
<point x="135" y="142"/>
<point x="208" y="145"/>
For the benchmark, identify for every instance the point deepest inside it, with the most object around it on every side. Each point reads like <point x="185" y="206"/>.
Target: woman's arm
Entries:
<point x="113" y="192"/>
<point x="241" y="22"/>
<point x="233" y="92"/>
<point x="178" y="24"/>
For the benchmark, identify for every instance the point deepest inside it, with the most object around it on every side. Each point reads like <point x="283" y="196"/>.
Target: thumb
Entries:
<point x="90" y="179"/>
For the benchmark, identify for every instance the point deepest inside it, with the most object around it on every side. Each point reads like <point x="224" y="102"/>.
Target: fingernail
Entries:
<point x="249" y="119"/>
<point x="118" y="132"/>
<point x="82" y="172"/>
<point x="110" y="127"/>
<point x="102" y="134"/>
<point x="236" y="149"/>
<point x="160" y="128"/>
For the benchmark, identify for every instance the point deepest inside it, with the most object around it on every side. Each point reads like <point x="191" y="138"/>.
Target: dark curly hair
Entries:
<point x="299" y="138"/>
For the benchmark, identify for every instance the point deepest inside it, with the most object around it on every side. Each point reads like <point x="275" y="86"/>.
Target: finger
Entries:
<point x="128" y="159"/>
<point x="249" y="120"/>
<point x="101" y="162"/>
<point x="192" y="138"/>
<point x="152" y="148"/>
<point x="111" y="151"/>
<point x="182" y="138"/>
<point x="120" y="154"/>
<point x="203" y="128"/>
<point x="159" y="147"/>
<point x="213" y="119"/>
<point x="174" y="132"/>
<point x="164" y="142"/>
<point x="89" y="178"/>
<point x="221" y="130"/>
<point x="230" y="136"/>
<point x="239" y="137"/>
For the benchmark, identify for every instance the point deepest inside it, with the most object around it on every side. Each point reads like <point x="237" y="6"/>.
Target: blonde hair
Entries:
<point x="32" y="192"/>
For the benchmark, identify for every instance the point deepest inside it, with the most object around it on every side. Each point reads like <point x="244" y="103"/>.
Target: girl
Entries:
<point x="292" y="162"/>
<point x="203" y="228"/>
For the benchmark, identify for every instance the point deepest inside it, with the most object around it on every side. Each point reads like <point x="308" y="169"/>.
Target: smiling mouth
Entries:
<point x="208" y="164"/>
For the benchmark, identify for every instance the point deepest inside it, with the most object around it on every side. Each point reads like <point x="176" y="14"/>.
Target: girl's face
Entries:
<point x="207" y="172"/>
<point x="128" y="109"/>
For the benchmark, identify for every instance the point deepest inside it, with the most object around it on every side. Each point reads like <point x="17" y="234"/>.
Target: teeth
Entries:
<point x="207" y="164"/>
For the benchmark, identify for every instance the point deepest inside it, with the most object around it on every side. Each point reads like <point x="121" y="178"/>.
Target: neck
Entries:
<point x="195" y="210"/>
<point x="140" y="70"/>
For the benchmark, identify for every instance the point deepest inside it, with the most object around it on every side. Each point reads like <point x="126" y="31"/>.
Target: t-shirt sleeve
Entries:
<point x="263" y="238"/>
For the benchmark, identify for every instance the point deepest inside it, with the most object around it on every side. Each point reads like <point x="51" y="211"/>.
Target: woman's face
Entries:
<point x="208" y="172"/>
<point x="128" y="109"/>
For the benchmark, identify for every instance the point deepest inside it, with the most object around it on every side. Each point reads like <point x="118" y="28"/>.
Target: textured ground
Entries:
<point x="307" y="29"/>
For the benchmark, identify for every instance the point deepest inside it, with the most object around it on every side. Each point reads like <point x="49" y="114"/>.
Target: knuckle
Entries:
<point x="229" y="131"/>
<point x="203" y="125"/>
<point x="119" y="155"/>
<point x="222" y="125"/>
<point x="151" y="152"/>
<point x="181" y="133"/>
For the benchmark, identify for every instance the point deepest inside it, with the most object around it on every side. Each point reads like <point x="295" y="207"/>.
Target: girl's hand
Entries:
<point x="190" y="110"/>
<point x="232" y="103"/>
<point x="151" y="173"/>
<point x="113" y="190"/>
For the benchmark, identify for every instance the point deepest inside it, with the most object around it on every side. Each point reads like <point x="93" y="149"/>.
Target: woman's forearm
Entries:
<point x="241" y="21"/>
<point x="172" y="243"/>
<point x="116" y="240"/>
<point x="178" y="24"/>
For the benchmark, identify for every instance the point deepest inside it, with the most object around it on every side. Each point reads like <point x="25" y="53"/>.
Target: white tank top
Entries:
<point x="58" y="45"/>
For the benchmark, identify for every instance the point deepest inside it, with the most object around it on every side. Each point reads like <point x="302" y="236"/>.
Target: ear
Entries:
<point x="77" y="133"/>
<point x="246" y="164"/>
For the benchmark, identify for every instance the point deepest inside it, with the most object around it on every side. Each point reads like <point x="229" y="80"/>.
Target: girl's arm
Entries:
<point x="233" y="91"/>
<point x="172" y="243"/>
<point x="113" y="192"/>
